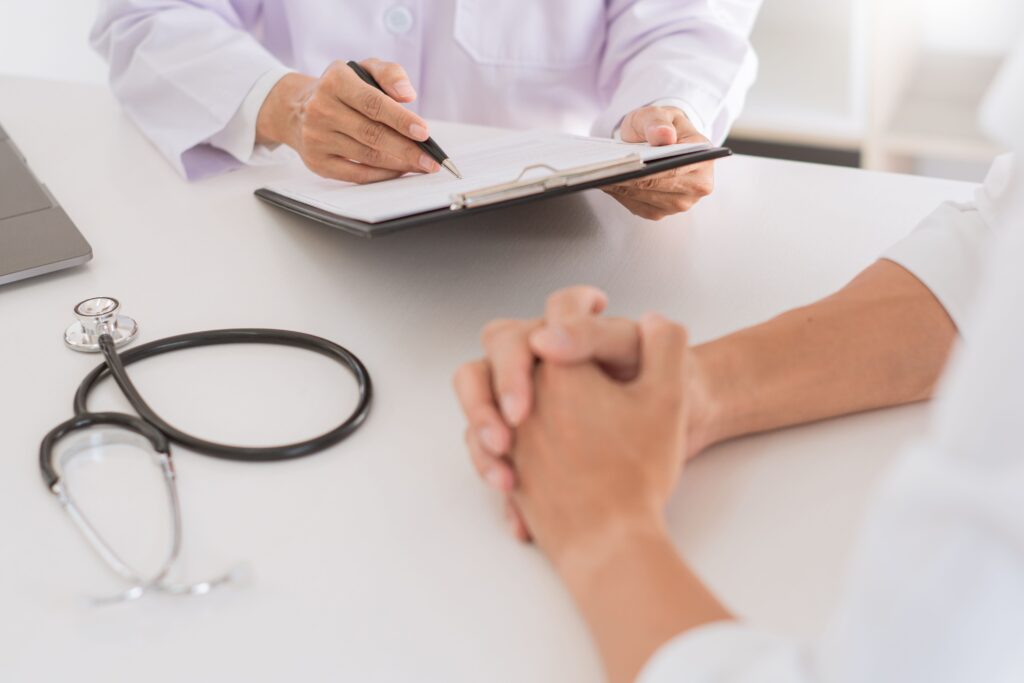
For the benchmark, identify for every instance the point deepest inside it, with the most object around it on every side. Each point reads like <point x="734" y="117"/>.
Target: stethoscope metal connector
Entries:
<point x="95" y="317"/>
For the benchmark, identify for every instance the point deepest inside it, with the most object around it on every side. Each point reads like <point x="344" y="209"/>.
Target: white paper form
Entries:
<point x="483" y="163"/>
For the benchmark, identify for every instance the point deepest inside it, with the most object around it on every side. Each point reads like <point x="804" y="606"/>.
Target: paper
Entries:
<point x="483" y="163"/>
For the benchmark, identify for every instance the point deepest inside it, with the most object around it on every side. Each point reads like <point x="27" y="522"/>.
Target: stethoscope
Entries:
<point x="100" y="327"/>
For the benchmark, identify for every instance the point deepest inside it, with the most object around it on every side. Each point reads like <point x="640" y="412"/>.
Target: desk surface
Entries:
<point x="383" y="559"/>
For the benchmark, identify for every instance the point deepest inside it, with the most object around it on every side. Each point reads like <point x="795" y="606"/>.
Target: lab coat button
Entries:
<point x="398" y="19"/>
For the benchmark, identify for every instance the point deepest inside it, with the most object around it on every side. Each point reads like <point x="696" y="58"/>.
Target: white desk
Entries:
<point x="384" y="559"/>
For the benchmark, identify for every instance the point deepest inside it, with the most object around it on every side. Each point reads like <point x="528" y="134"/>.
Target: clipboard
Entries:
<point x="535" y="183"/>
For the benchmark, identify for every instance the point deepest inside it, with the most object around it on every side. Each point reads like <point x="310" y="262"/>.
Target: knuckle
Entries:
<point x="372" y="133"/>
<point x="682" y="204"/>
<point x="372" y="103"/>
<point x="332" y="74"/>
<point x="495" y="329"/>
<point x="373" y="157"/>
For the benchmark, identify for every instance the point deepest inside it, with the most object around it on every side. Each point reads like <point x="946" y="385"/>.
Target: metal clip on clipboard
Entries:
<point x="558" y="178"/>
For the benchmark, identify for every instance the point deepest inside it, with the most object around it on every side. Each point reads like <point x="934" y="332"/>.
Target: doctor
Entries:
<point x="215" y="83"/>
<point x="935" y="593"/>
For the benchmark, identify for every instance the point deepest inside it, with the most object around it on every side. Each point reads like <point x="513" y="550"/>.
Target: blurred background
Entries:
<point x="883" y="84"/>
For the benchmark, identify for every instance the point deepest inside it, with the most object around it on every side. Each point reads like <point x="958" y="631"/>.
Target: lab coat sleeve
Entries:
<point x="181" y="71"/>
<point x="694" y="52"/>
<point x="945" y="251"/>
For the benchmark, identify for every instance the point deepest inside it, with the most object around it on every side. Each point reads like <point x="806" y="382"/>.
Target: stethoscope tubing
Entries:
<point x="115" y="365"/>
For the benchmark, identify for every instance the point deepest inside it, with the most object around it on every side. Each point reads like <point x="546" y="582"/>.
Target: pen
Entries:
<point x="428" y="145"/>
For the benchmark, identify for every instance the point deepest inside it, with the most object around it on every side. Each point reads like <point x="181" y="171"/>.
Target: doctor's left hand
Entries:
<point x="671" y="192"/>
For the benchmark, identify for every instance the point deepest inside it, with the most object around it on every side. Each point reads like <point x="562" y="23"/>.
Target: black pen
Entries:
<point x="428" y="145"/>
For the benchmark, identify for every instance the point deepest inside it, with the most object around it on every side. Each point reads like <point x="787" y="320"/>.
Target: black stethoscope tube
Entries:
<point x="115" y="366"/>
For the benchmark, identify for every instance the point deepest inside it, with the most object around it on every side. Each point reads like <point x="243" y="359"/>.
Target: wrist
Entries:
<point x="280" y="115"/>
<point x="712" y="385"/>
<point x="590" y="552"/>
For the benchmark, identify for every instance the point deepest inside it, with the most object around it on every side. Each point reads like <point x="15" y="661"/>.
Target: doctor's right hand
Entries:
<point x="345" y="129"/>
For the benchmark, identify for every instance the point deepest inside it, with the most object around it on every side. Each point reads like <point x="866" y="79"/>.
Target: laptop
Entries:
<point x="36" y="236"/>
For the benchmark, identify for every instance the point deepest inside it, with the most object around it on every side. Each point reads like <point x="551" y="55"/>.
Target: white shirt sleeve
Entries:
<point x="936" y="590"/>
<point x="238" y="137"/>
<point x="945" y="251"/>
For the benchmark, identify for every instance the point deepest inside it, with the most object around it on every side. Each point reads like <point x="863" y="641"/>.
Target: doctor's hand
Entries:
<point x="345" y="129"/>
<point x="657" y="196"/>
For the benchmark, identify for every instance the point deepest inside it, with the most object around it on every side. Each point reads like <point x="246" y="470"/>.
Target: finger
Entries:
<point x="392" y="77"/>
<point x="347" y="147"/>
<point x="376" y="105"/>
<point x="472" y="384"/>
<point x="659" y="181"/>
<point x="614" y="343"/>
<point x="494" y="470"/>
<point x="667" y="203"/>
<point x="378" y="136"/>
<point x="573" y="302"/>
<point x="663" y="347"/>
<point x="506" y="343"/>
<point x="336" y="168"/>
<point x="654" y="125"/>
<point x="642" y="209"/>
<point x="697" y="179"/>
<point x="516" y="523"/>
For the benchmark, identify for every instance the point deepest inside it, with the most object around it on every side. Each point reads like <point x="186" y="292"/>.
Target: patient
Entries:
<point x="587" y="447"/>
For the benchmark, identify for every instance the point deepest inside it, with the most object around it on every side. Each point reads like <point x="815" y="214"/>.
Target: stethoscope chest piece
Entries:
<point x="97" y="316"/>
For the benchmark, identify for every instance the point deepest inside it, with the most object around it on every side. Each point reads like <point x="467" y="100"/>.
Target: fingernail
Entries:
<point x="511" y="408"/>
<point x="404" y="89"/>
<point x="428" y="164"/>
<point x="418" y="132"/>
<point x="495" y="478"/>
<point x="553" y="337"/>
<point x="660" y="129"/>
<point x="489" y="437"/>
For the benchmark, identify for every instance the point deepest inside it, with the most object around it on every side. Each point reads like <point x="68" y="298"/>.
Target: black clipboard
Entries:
<point x="555" y="184"/>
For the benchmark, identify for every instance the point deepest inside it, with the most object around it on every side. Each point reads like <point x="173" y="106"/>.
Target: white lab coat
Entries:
<point x="184" y="70"/>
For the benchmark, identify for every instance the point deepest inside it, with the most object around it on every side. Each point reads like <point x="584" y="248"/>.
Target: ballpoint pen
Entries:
<point x="428" y="145"/>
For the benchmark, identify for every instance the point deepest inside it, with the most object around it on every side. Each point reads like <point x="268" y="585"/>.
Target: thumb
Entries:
<point x="654" y="125"/>
<point x="663" y="350"/>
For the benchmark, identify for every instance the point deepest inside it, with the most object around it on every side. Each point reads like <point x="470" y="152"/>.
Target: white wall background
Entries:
<point x="978" y="26"/>
<point x="49" y="38"/>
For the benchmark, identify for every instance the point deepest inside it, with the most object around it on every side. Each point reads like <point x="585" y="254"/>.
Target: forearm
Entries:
<point x="882" y="340"/>
<point x="636" y="593"/>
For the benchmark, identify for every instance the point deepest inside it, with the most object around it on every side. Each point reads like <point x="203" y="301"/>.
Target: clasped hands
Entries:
<point x="582" y="422"/>
<point x="347" y="130"/>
